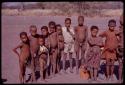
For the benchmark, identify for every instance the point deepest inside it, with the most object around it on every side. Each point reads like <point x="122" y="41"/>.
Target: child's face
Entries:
<point x="80" y="21"/>
<point x="41" y="41"/>
<point x="24" y="38"/>
<point x="94" y="32"/>
<point x="44" y="32"/>
<point x="67" y="23"/>
<point x="33" y="31"/>
<point x="59" y="30"/>
<point x="112" y="26"/>
<point x="52" y="28"/>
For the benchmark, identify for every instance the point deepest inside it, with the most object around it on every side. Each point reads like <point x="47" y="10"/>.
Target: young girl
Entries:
<point x="94" y="53"/>
<point x="24" y="55"/>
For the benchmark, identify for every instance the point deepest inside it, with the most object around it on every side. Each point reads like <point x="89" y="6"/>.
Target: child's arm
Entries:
<point x="15" y="49"/>
<point x="103" y="34"/>
<point x="86" y="36"/>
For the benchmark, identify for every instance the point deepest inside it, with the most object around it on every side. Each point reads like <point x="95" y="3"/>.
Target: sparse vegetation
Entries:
<point x="65" y="8"/>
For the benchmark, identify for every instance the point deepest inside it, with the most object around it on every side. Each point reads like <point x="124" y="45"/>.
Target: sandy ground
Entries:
<point x="13" y="25"/>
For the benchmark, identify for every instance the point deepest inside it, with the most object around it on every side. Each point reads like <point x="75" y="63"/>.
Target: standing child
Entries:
<point x="43" y="56"/>
<point x="44" y="33"/>
<point x="80" y="41"/>
<point x="68" y="33"/>
<point x="53" y="47"/>
<point x="110" y="46"/>
<point x="33" y="39"/>
<point x="24" y="55"/>
<point x="94" y="53"/>
<point x="60" y="45"/>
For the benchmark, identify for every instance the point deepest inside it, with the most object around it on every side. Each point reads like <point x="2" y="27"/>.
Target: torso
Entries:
<point x="25" y="52"/>
<point x="111" y="40"/>
<point x="60" y="42"/>
<point x="33" y="43"/>
<point x="53" y="40"/>
<point x="80" y="33"/>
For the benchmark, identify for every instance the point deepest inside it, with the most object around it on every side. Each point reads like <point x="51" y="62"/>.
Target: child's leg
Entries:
<point x="112" y="67"/>
<point x="54" y="62"/>
<point x="120" y="69"/>
<point x="58" y="61"/>
<point x="107" y="67"/>
<point x="41" y="67"/>
<point x="70" y="60"/>
<point x="83" y="53"/>
<point x="22" y="72"/>
<point x="33" y="68"/>
<point x="77" y="55"/>
<point x="95" y="73"/>
<point x="64" y="62"/>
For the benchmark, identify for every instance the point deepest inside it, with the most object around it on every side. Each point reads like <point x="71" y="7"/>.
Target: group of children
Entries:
<point x="56" y="42"/>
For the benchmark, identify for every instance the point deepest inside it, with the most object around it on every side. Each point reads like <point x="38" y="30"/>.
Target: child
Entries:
<point x="120" y="49"/>
<point x="84" y="72"/>
<point x="94" y="53"/>
<point x="24" y="55"/>
<point x="43" y="56"/>
<point x="80" y="40"/>
<point x="44" y="34"/>
<point x="33" y="38"/>
<point x="53" y="47"/>
<point x="60" y="45"/>
<point x="68" y="33"/>
<point x="110" y="46"/>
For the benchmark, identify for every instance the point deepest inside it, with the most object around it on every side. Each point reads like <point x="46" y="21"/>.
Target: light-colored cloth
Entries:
<point x="68" y="39"/>
<point x="44" y="49"/>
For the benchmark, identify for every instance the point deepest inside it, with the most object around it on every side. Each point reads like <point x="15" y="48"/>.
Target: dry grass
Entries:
<point x="56" y="12"/>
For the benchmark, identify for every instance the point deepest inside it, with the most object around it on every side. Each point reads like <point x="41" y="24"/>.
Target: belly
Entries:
<point x="80" y="38"/>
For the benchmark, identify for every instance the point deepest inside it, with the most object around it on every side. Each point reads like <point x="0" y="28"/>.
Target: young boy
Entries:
<point x="110" y="46"/>
<point x="60" y="45"/>
<point x="44" y="33"/>
<point x="68" y="34"/>
<point x="53" y="46"/>
<point x="80" y="41"/>
<point x="24" y="55"/>
<point x="33" y="39"/>
<point x="120" y="49"/>
<point x="43" y="56"/>
<point x="94" y="52"/>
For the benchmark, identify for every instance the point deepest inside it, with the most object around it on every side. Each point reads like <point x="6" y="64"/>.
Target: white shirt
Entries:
<point x="67" y="36"/>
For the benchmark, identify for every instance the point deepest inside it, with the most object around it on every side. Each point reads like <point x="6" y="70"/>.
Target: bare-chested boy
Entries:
<point x="43" y="56"/>
<point x="44" y="33"/>
<point x="111" y="43"/>
<point x="53" y="47"/>
<point x="33" y="39"/>
<point x="80" y="40"/>
<point x="60" y="45"/>
<point x="68" y="34"/>
<point x="24" y="55"/>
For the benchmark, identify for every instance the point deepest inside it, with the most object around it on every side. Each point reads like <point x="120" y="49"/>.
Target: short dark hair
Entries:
<point x="58" y="25"/>
<point x="111" y="21"/>
<point x="94" y="27"/>
<point x="68" y="19"/>
<point x="42" y="37"/>
<point x="44" y="27"/>
<point x="52" y="23"/>
<point x="33" y="26"/>
<point x="80" y="17"/>
<point x="23" y="33"/>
